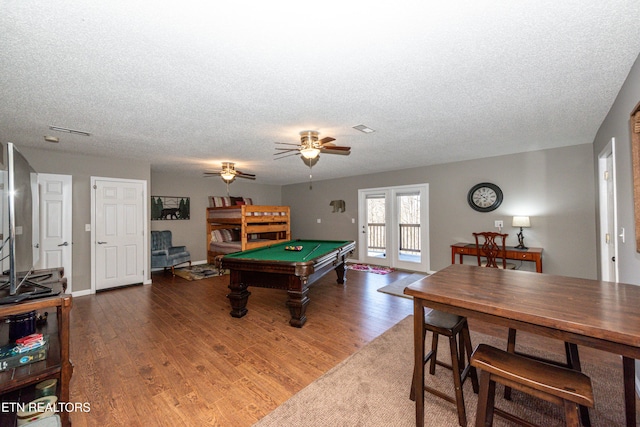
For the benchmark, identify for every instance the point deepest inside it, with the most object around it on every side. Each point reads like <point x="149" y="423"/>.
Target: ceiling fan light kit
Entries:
<point x="310" y="148"/>
<point x="229" y="173"/>
<point x="310" y="153"/>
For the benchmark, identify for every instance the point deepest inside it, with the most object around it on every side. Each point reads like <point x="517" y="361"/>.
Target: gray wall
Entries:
<point x="616" y="125"/>
<point x="192" y="232"/>
<point x="82" y="168"/>
<point x="554" y="187"/>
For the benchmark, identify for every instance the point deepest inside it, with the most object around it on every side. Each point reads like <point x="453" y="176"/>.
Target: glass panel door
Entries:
<point x="376" y="228"/>
<point x="394" y="227"/>
<point x="409" y="247"/>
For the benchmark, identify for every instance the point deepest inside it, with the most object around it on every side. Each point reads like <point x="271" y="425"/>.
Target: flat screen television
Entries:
<point x="20" y="240"/>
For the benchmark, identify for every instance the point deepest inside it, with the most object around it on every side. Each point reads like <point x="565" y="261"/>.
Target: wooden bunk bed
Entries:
<point x="238" y="228"/>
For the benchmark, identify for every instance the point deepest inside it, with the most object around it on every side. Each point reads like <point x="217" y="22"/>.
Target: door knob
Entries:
<point x="64" y="244"/>
<point x="101" y="243"/>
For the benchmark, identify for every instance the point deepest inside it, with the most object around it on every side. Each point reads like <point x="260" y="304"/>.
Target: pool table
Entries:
<point x="277" y="267"/>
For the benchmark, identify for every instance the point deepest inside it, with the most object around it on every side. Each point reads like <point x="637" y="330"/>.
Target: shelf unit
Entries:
<point x="18" y="384"/>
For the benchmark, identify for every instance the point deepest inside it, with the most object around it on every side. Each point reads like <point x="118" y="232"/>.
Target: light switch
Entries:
<point x="319" y="220"/>
<point x="87" y="227"/>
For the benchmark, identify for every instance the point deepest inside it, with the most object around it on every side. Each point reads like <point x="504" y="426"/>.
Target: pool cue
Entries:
<point x="310" y="252"/>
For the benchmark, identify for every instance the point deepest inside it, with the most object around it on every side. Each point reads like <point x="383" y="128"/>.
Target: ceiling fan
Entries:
<point x="229" y="173"/>
<point x="310" y="146"/>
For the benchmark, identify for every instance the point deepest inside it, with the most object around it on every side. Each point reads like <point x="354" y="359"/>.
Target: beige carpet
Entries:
<point x="397" y="287"/>
<point x="371" y="388"/>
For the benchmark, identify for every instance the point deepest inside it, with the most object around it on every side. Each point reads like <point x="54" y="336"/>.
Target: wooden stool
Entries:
<point x="555" y="384"/>
<point x="456" y="329"/>
<point x="573" y="362"/>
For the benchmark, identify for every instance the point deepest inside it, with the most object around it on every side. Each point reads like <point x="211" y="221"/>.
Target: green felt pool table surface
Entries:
<point x="310" y="249"/>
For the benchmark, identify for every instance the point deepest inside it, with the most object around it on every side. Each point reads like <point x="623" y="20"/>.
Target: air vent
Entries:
<point x="364" y="129"/>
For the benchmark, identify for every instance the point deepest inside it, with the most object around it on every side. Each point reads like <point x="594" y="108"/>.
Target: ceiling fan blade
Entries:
<point x="246" y="177"/>
<point x="287" y="149"/>
<point x="285" y="143"/>
<point x="326" y="140"/>
<point x="212" y="173"/>
<point x="335" y="147"/>
<point x="244" y="174"/>
<point x="332" y="151"/>
<point x="286" y="155"/>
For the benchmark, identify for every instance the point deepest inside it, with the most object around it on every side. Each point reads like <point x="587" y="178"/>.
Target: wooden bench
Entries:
<point x="555" y="384"/>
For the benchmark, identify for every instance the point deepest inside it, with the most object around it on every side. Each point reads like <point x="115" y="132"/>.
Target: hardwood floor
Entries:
<point x="169" y="354"/>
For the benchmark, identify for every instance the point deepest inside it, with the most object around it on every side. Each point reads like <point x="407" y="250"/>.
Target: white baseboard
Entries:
<point x="81" y="293"/>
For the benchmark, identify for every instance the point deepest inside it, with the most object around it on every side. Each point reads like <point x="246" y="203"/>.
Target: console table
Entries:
<point x="531" y="254"/>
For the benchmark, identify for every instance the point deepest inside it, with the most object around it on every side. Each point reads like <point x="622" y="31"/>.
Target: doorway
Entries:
<point x="608" y="215"/>
<point x="118" y="232"/>
<point x="394" y="227"/>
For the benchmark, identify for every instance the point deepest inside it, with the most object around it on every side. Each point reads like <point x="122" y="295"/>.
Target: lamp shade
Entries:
<point x="521" y="221"/>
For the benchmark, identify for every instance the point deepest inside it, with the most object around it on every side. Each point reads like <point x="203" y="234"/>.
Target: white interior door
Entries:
<point x="56" y="232"/>
<point x="119" y="230"/>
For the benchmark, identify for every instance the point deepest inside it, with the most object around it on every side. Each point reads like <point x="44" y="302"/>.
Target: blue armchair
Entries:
<point x="164" y="254"/>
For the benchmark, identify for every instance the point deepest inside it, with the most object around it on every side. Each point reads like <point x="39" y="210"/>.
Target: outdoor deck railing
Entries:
<point x="409" y="237"/>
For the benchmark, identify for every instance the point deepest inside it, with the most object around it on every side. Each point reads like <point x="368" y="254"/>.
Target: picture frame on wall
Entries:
<point x="169" y="208"/>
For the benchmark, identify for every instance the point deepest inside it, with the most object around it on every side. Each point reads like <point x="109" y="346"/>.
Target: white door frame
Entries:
<point x="391" y="217"/>
<point x="608" y="216"/>
<point x="145" y="226"/>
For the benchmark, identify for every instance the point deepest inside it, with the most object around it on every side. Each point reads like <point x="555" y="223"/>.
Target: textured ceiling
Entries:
<point x="186" y="85"/>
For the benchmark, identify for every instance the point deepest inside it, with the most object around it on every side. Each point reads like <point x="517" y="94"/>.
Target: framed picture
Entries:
<point x="168" y="208"/>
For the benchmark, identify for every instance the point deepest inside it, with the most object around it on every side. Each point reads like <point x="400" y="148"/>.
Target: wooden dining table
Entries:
<point x="593" y="313"/>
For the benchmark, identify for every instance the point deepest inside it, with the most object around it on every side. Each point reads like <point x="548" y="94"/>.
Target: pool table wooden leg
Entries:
<point x="297" y="303"/>
<point x="342" y="273"/>
<point x="239" y="295"/>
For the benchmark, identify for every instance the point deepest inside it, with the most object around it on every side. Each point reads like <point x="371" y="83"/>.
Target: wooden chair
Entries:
<point x="565" y="387"/>
<point x="456" y="329"/>
<point x="492" y="247"/>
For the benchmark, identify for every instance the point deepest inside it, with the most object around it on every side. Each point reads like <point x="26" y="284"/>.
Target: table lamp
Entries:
<point x="521" y="221"/>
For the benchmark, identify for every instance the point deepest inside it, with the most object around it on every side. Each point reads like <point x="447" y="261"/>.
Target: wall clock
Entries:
<point x="484" y="197"/>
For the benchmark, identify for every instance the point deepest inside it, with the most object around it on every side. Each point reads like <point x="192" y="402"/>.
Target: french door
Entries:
<point x="394" y="227"/>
